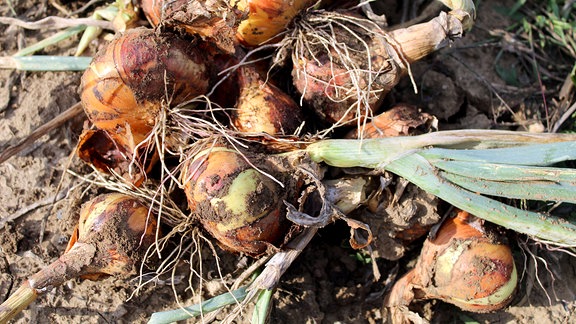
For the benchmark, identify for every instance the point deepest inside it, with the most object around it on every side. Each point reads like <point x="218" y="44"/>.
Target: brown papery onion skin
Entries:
<point x="465" y="265"/>
<point x="158" y="10"/>
<point x="262" y="107"/>
<point x="237" y="204"/>
<point x="400" y="120"/>
<point x="128" y="81"/>
<point x="213" y="21"/>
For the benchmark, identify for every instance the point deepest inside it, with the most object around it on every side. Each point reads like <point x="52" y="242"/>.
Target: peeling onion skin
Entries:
<point x="157" y="10"/>
<point x="214" y="21"/>
<point x="465" y="265"/>
<point x="237" y="204"/>
<point x="127" y="82"/>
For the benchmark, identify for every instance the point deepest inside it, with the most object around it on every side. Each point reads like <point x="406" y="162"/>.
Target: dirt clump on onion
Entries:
<point x="239" y="198"/>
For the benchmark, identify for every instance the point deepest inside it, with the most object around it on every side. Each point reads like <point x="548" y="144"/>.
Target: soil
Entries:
<point x="329" y="282"/>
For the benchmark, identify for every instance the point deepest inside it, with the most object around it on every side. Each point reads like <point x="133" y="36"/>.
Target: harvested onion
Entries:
<point x="464" y="264"/>
<point x="236" y="203"/>
<point x="344" y="65"/>
<point x="127" y="82"/>
<point x="126" y="85"/>
<point x="113" y="235"/>
<point x="263" y="107"/>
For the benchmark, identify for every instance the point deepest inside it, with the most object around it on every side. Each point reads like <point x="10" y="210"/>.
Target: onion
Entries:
<point x="267" y="18"/>
<point x="344" y="65"/>
<point x="127" y="83"/>
<point x="242" y="207"/>
<point x="464" y="264"/>
<point x="263" y="107"/>
<point x="113" y="235"/>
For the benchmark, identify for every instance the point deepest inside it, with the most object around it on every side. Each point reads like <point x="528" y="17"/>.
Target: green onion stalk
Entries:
<point x="470" y="168"/>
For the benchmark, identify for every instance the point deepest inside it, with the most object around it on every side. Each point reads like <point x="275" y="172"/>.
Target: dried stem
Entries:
<point x="54" y="22"/>
<point x="58" y="121"/>
<point x="70" y="265"/>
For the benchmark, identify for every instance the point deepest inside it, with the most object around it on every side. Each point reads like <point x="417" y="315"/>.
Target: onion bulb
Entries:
<point x="131" y="78"/>
<point x="267" y="18"/>
<point x="113" y="235"/>
<point x="123" y="89"/>
<point x="240" y="206"/>
<point x="344" y="65"/>
<point x="465" y="264"/>
<point x="263" y="107"/>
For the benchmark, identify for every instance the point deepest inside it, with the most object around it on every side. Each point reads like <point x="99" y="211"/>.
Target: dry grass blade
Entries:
<point x="273" y="271"/>
<point x="56" y="23"/>
<point x="68" y="114"/>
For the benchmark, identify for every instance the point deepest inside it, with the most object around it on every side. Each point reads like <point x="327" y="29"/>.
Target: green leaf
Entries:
<point x="210" y="305"/>
<point x="416" y="169"/>
<point x="535" y="154"/>
<point x="262" y="308"/>
<point x="530" y="190"/>
<point x="506" y="172"/>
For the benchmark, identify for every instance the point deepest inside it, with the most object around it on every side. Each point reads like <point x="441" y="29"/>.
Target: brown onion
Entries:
<point x="113" y="235"/>
<point x="464" y="264"/>
<point x="263" y="107"/>
<point x="129" y="80"/>
<point x="344" y="65"/>
<point x="236" y="203"/>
